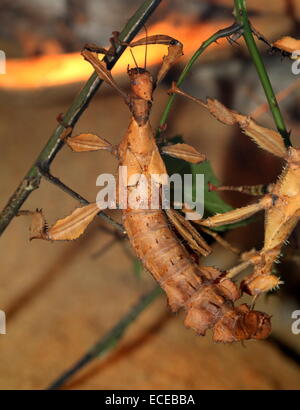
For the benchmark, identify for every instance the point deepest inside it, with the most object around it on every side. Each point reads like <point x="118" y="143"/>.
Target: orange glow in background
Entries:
<point x="51" y="70"/>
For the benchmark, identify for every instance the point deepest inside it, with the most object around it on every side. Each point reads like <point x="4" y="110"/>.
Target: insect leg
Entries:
<point x="96" y="49"/>
<point x="254" y="190"/>
<point x="175" y="51"/>
<point x="266" y="138"/>
<point x="261" y="280"/>
<point x="89" y="142"/>
<point x="68" y="228"/>
<point x="85" y="141"/>
<point x="231" y="273"/>
<point x="238" y="214"/>
<point x="188" y="232"/>
<point x="185" y="152"/>
<point x="102" y="71"/>
<point x="221" y="240"/>
<point x="260" y="36"/>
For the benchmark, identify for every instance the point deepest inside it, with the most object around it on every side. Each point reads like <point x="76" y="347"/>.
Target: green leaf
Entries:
<point x="176" y="165"/>
<point x="137" y="268"/>
<point x="213" y="203"/>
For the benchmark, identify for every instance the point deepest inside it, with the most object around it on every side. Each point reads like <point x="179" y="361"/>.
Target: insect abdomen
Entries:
<point x="201" y="291"/>
<point x="163" y="255"/>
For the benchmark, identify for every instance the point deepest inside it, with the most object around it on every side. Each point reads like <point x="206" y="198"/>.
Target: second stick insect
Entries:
<point x="280" y="201"/>
<point x="205" y="293"/>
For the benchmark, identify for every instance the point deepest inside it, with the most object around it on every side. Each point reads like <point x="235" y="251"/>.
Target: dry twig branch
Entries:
<point x="54" y="180"/>
<point x="108" y="342"/>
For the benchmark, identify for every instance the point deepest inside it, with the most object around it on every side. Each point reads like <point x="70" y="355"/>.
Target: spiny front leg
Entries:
<point x="265" y="138"/>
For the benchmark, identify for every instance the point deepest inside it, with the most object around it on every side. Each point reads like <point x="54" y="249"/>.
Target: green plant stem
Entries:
<point x="32" y="179"/>
<point x="226" y="32"/>
<point x="109" y="341"/>
<point x="241" y="16"/>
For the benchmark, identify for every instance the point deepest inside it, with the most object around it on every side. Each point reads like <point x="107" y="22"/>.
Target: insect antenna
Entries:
<point x="133" y="57"/>
<point x="146" y="47"/>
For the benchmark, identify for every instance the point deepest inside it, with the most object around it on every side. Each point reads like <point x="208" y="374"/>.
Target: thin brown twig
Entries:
<point x="55" y="181"/>
<point x="108" y="341"/>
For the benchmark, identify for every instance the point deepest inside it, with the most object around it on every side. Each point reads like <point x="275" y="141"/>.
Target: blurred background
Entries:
<point x="61" y="297"/>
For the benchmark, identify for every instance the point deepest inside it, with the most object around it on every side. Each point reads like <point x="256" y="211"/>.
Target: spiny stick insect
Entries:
<point x="280" y="201"/>
<point x="205" y="293"/>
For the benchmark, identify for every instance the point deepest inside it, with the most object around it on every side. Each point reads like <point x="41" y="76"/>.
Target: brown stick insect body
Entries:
<point x="204" y="292"/>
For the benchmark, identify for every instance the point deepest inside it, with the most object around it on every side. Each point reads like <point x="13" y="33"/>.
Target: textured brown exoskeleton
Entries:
<point x="204" y="292"/>
<point x="280" y="201"/>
